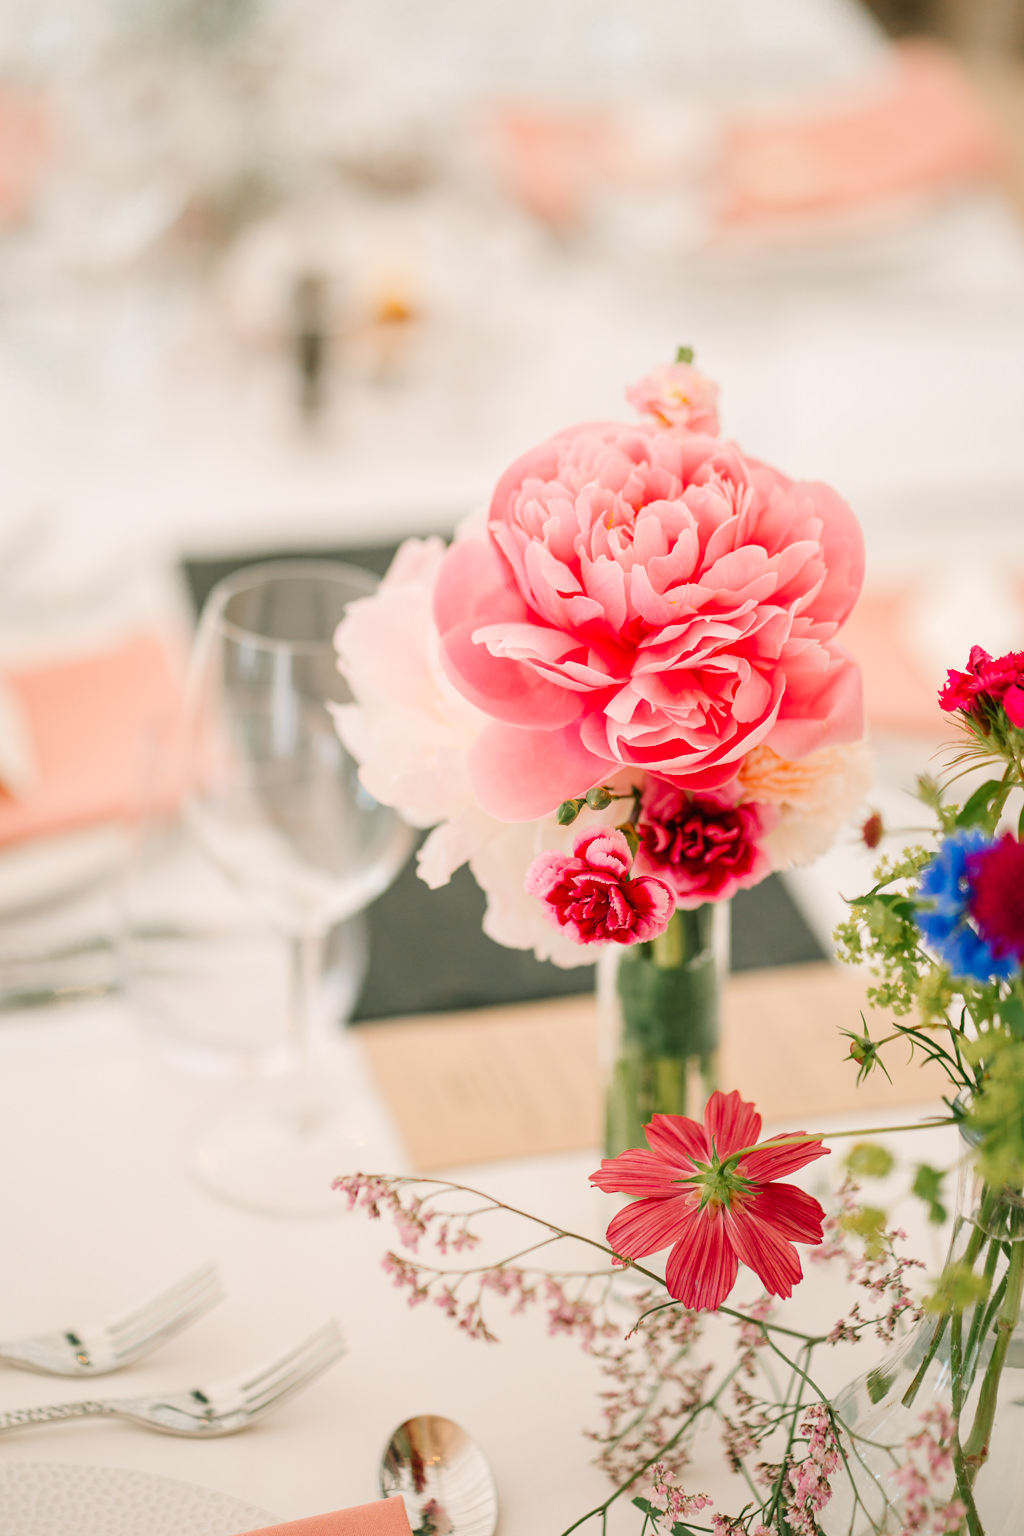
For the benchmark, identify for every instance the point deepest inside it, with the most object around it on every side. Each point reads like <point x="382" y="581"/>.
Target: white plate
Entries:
<point x="47" y="1499"/>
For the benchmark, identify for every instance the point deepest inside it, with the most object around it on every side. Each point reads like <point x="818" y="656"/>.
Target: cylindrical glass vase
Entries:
<point x="962" y="1364"/>
<point x="659" y="1004"/>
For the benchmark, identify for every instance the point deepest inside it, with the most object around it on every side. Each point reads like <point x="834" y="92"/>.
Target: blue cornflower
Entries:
<point x="944" y="923"/>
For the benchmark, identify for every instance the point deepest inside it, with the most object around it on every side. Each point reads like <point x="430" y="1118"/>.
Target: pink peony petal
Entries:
<point x="507" y="690"/>
<point x="702" y="1267"/>
<point x="824" y="712"/>
<point x="475" y="586"/>
<point x="522" y="775"/>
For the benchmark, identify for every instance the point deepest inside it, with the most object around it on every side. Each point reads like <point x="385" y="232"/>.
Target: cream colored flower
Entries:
<point x="816" y="796"/>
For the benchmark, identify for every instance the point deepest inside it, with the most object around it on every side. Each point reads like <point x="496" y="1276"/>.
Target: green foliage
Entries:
<point x="996" y="1114"/>
<point x="985" y="806"/>
<point x="878" y="1384"/>
<point x="927" y="1186"/>
<point x="882" y="933"/>
<point x="957" y="1287"/>
<point x="684" y="354"/>
<point x="869" y="1159"/>
<point x="867" y="1223"/>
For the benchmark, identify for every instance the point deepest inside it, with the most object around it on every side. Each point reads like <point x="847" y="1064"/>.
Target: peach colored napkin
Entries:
<point x="386" y="1517"/>
<point x="94" y="723"/>
<point x="920" y="128"/>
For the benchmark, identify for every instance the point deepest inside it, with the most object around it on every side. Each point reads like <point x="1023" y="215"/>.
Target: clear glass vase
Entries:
<point x="965" y="1359"/>
<point x="659" y="1004"/>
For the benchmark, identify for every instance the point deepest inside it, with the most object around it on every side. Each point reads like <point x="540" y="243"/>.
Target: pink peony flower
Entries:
<point x="703" y="849"/>
<point x="677" y="395"/>
<point x="591" y="897"/>
<point x="714" y="1212"/>
<point x="987" y="682"/>
<point x="647" y="598"/>
<point x="996" y="901"/>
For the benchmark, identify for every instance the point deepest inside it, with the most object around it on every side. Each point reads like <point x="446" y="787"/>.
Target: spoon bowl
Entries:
<point x="443" y="1477"/>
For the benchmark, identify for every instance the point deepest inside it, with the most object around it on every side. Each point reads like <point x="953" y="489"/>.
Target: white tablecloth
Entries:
<point x="99" y="1212"/>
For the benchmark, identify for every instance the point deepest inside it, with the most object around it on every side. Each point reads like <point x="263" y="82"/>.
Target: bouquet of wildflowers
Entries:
<point x="619" y="695"/>
<point x="928" y="1439"/>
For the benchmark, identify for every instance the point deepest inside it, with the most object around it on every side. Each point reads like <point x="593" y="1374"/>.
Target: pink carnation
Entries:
<point x="677" y="395"/>
<point x="589" y="895"/>
<point x="703" y="849"/>
<point x="647" y="598"/>
<point x="987" y="682"/>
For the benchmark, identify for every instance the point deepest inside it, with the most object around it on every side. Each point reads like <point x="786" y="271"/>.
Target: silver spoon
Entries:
<point x="443" y="1477"/>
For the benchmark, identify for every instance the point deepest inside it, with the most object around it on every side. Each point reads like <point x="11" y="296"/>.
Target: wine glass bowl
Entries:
<point x="276" y="801"/>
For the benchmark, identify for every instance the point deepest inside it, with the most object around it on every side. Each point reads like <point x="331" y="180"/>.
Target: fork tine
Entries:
<point x="194" y="1289"/>
<point x="296" y="1379"/>
<point x="271" y="1370"/>
<point x="175" y="1322"/>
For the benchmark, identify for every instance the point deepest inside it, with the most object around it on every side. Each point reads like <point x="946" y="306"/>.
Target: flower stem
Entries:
<point x="976" y="1447"/>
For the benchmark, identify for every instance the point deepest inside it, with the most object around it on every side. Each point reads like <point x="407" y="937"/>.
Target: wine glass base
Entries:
<point x="277" y="1149"/>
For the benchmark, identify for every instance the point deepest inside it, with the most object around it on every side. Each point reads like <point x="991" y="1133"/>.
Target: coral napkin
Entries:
<point x="387" y="1517"/>
<point x="93" y="723"/>
<point x="920" y="128"/>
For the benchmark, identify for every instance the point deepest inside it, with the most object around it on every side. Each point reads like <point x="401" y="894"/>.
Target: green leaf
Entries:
<point x="878" y="1384"/>
<point x="1011" y="1011"/>
<point x="927" y="1186"/>
<point x="985" y="806"/>
<point x="684" y="354"/>
<point x="646" y="1505"/>
<point x="870" y="1159"/>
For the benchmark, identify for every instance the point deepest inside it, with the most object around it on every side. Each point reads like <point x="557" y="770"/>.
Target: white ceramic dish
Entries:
<point x="50" y="1499"/>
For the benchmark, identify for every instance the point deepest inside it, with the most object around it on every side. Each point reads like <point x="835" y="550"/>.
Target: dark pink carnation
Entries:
<point x="647" y="598"/>
<point x="987" y="682"/>
<point x="703" y="849"/>
<point x="996" y="901"/>
<point x="590" y="897"/>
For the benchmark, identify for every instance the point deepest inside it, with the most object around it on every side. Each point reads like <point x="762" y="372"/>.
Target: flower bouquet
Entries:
<point x="619" y="696"/>
<point x="927" y="1440"/>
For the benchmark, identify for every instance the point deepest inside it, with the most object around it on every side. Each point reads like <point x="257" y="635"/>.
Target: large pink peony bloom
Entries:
<point x="590" y="897"/>
<point x="647" y="598"/>
<point x="715" y="1214"/>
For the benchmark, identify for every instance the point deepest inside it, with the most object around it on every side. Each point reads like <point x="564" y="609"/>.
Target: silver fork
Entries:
<point x="95" y="1350"/>
<point x="220" y="1409"/>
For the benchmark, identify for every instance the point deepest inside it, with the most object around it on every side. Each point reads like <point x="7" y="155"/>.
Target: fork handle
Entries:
<point x="18" y="1417"/>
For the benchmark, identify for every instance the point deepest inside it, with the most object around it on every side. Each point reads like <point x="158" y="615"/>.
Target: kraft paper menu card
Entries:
<point x="524" y="1080"/>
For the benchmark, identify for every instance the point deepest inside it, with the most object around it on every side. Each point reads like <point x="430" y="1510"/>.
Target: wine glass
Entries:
<point x="276" y="801"/>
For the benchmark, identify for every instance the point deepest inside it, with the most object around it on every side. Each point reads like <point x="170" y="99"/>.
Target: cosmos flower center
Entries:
<point x="718" y="1183"/>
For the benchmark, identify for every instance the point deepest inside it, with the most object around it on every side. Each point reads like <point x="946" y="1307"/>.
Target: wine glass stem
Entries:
<point x="306" y="968"/>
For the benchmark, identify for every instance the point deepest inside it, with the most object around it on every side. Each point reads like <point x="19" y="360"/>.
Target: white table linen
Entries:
<point x="98" y="1212"/>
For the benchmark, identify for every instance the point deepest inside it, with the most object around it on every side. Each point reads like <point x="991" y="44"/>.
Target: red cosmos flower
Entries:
<point x="703" y="849"/>
<point x="716" y="1209"/>
<point x="590" y="896"/>
<point x="987" y="681"/>
<point x="996" y="900"/>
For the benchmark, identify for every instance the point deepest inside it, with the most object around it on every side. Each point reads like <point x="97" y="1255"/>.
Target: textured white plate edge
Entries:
<point x="246" y="1510"/>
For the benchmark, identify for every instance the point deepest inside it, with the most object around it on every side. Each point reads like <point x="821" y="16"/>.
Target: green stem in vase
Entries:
<point x="976" y="1445"/>
<point x="667" y="994"/>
